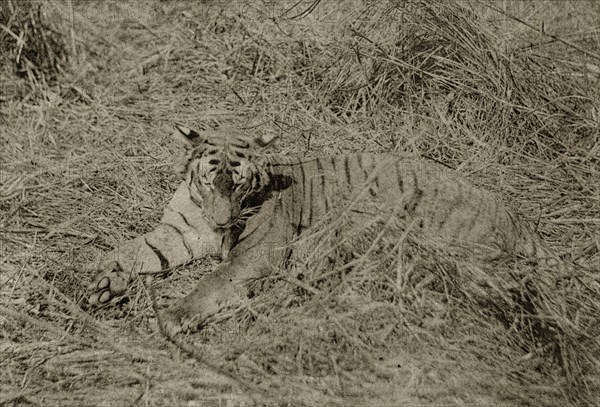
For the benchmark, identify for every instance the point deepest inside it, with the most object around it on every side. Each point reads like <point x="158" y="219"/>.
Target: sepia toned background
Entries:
<point x="507" y="93"/>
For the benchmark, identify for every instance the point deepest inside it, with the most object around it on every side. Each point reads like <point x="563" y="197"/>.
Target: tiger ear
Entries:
<point x="190" y="137"/>
<point x="265" y="140"/>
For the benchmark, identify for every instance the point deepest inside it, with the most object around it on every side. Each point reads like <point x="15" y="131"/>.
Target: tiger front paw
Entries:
<point x="111" y="282"/>
<point x="175" y="320"/>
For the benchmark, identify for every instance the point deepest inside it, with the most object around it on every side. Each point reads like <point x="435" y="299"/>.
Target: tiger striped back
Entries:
<point x="441" y="203"/>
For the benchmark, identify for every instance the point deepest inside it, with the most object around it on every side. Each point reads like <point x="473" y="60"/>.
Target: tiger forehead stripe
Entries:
<point x="230" y="147"/>
<point x="240" y="143"/>
<point x="239" y="151"/>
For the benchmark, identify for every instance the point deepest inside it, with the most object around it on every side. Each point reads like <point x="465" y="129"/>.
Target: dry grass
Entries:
<point x="86" y="160"/>
<point x="35" y="44"/>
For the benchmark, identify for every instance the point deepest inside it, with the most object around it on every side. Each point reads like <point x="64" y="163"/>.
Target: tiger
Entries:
<point x="238" y="202"/>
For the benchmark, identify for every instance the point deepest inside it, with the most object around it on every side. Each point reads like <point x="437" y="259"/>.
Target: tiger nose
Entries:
<point x="221" y="220"/>
<point x="222" y="215"/>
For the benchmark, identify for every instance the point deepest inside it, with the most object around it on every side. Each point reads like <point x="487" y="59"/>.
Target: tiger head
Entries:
<point x="223" y="169"/>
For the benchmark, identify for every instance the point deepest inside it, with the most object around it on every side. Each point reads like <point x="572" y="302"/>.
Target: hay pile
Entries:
<point x="355" y="320"/>
<point x="34" y="44"/>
